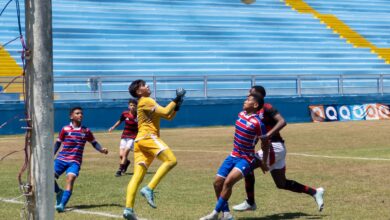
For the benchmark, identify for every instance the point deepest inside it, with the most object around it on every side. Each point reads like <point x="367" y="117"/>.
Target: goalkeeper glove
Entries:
<point x="180" y="93"/>
<point x="178" y="104"/>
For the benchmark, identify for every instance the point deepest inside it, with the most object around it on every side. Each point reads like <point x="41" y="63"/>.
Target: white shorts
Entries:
<point x="127" y="143"/>
<point x="276" y="157"/>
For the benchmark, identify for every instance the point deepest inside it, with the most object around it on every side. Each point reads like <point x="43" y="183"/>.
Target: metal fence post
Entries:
<point x="100" y="89"/>
<point x="253" y="80"/>
<point x="380" y="82"/>
<point x="299" y="86"/>
<point x="205" y="86"/>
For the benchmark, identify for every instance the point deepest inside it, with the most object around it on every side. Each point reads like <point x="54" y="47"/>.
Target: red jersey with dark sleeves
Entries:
<point x="267" y="114"/>
<point x="248" y="130"/>
<point x="131" y="125"/>
<point x="73" y="141"/>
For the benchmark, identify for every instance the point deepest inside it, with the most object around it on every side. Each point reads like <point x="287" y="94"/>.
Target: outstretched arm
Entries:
<point x="60" y="139"/>
<point x="115" y="125"/>
<point x="168" y="112"/>
<point x="164" y="112"/>
<point x="170" y="116"/>
<point x="99" y="148"/>
<point x="57" y="146"/>
<point x="281" y="123"/>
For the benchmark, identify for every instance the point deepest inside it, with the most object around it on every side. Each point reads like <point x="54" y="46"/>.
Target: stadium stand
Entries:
<point x="370" y="19"/>
<point x="8" y="70"/>
<point x="96" y="41"/>
<point x="360" y="14"/>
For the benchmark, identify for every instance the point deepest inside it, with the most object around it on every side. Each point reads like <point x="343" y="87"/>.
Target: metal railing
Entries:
<point x="213" y="86"/>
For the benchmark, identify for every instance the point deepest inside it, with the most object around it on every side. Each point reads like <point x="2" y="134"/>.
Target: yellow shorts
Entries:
<point x="146" y="149"/>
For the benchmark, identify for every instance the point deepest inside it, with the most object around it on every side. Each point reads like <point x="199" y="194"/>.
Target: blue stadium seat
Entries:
<point x="207" y="37"/>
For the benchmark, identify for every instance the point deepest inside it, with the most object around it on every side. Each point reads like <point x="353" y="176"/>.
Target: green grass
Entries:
<point x="355" y="189"/>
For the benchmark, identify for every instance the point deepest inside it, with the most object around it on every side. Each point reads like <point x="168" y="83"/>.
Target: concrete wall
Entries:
<point x="211" y="112"/>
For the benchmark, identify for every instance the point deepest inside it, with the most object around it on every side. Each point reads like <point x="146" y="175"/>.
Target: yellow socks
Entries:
<point x="169" y="161"/>
<point x="138" y="176"/>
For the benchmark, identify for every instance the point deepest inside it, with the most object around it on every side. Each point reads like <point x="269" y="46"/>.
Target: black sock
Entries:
<point x="56" y="187"/>
<point x="250" y="188"/>
<point x="299" y="188"/>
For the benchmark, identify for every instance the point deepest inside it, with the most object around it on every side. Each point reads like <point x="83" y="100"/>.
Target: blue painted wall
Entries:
<point x="211" y="112"/>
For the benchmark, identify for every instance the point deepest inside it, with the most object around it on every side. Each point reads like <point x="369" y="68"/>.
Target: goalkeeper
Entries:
<point x="148" y="144"/>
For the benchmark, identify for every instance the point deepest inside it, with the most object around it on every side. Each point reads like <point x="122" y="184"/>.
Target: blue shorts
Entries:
<point x="234" y="162"/>
<point x="61" y="166"/>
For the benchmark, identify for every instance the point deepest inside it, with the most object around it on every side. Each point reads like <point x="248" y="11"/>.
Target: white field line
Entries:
<point x="74" y="210"/>
<point x="292" y="154"/>
<point x="296" y="154"/>
<point x="340" y="157"/>
<point x="94" y="213"/>
<point x="21" y="138"/>
<point x="115" y="133"/>
<point x="11" y="201"/>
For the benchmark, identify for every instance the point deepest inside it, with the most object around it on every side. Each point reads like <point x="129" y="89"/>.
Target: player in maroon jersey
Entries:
<point x="128" y="135"/>
<point x="274" y="122"/>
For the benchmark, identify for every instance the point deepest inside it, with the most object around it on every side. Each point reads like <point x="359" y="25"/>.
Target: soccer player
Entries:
<point x="148" y="144"/>
<point x="128" y="135"/>
<point x="73" y="138"/>
<point x="274" y="122"/>
<point x="238" y="164"/>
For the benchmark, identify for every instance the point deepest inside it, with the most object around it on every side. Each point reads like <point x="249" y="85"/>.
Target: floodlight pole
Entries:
<point x="39" y="80"/>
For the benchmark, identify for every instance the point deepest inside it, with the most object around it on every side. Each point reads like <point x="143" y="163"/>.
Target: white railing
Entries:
<point x="213" y="86"/>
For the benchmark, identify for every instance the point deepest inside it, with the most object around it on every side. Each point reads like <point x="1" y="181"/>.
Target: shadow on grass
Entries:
<point x="280" y="216"/>
<point x="94" y="206"/>
<point x="148" y="172"/>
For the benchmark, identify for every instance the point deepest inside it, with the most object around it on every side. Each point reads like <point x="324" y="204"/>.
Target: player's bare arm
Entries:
<point x="114" y="126"/>
<point x="280" y="124"/>
<point x="99" y="148"/>
<point x="265" y="146"/>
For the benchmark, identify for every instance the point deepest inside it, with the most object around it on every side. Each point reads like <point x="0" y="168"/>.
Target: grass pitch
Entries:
<point x="354" y="175"/>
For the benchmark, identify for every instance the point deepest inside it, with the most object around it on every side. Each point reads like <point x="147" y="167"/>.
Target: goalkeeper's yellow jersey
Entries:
<point x="149" y="113"/>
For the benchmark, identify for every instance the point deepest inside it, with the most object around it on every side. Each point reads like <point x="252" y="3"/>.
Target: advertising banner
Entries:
<point x="371" y="111"/>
